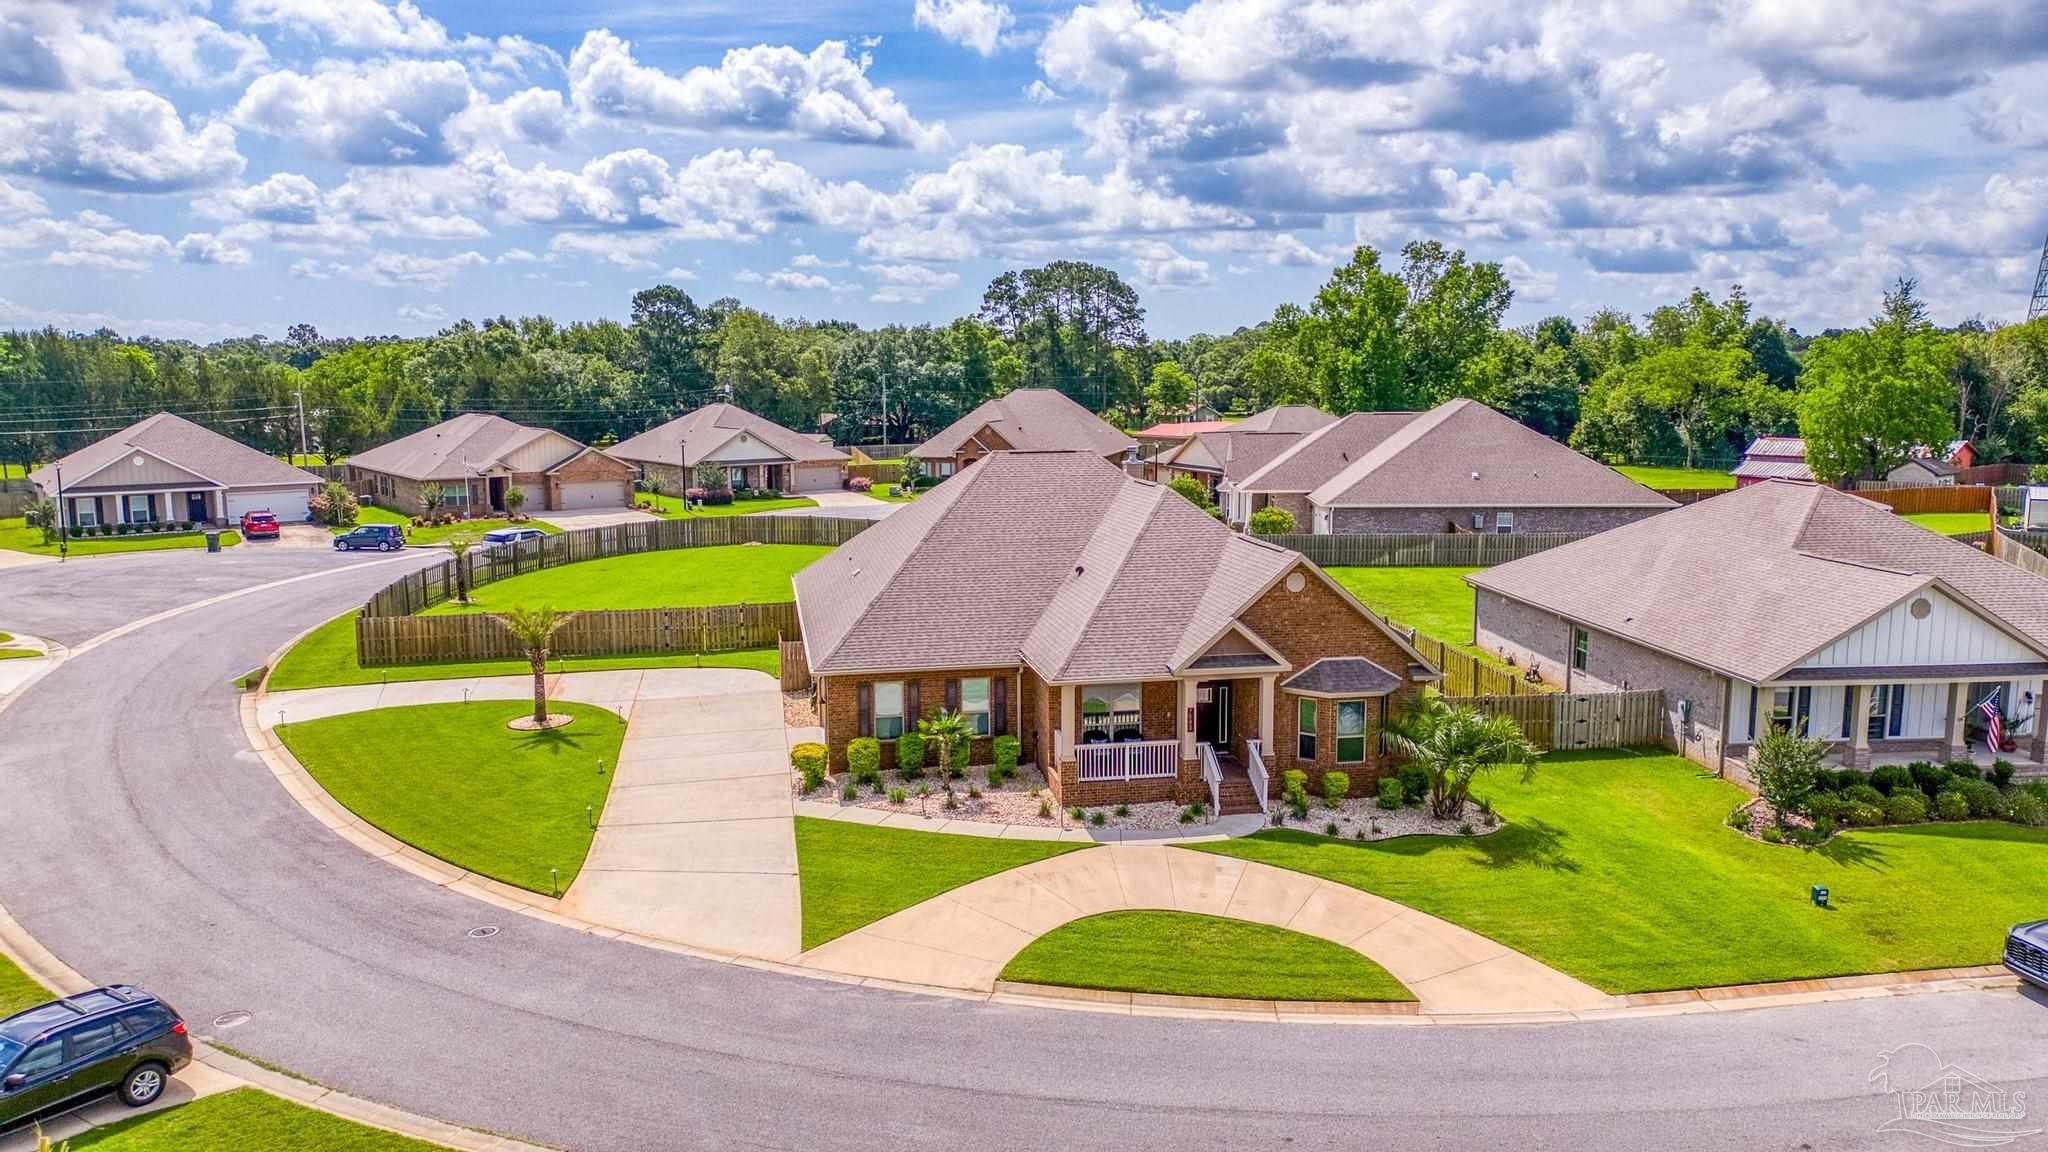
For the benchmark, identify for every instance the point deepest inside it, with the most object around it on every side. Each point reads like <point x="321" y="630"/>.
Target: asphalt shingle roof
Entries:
<point x="450" y="450"/>
<point x="1343" y="676"/>
<point x="1323" y="453"/>
<point x="711" y="427"/>
<point x="200" y="451"/>
<point x="1030" y="419"/>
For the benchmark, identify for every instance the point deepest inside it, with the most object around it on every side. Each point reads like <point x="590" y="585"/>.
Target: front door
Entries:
<point x="195" y="506"/>
<point x="497" y="493"/>
<point x="1212" y="714"/>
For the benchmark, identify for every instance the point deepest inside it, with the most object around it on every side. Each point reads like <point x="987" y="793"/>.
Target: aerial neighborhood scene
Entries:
<point x="980" y="574"/>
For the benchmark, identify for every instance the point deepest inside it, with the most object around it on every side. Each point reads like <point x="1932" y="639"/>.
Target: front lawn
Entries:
<point x="18" y="653"/>
<point x="243" y="1118"/>
<point x="1952" y="523"/>
<point x="327" y="657"/>
<point x="1677" y="479"/>
<point x="371" y="514"/>
<point x="672" y="506"/>
<point x="17" y="536"/>
<point x="1437" y="601"/>
<point x="893" y="493"/>
<point x="673" y="578"/>
<point x="474" y="529"/>
<point x="453" y="781"/>
<point x="1186" y="954"/>
<point x="1616" y="868"/>
<point x="855" y="874"/>
<point x="17" y="991"/>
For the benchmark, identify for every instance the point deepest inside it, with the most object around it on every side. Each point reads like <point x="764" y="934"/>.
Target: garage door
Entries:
<point x="287" y="504"/>
<point x="817" y="477"/>
<point x="594" y="494"/>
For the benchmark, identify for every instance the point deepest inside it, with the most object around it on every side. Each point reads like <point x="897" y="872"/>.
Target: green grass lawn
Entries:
<point x="371" y="514"/>
<point x="454" y="782"/>
<point x="327" y="657"/>
<point x="1185" y="954"/>
<point x="1616" y="868"/>
<point x="893" y="493"/>
<point x="1677" y="478"/>
<point x="853" y="874"/>
<point x="18" y="653"/>
<point x="1434" y="600"/>
<point x="473" y="529"/>
<point x="1952" y="523"/>
<point x="675" y="578"/>
<point x="244" y="1118"/>
<point x="16" y="536"/>
<point x="672" y="506"/>
<point x="17" y="991"/>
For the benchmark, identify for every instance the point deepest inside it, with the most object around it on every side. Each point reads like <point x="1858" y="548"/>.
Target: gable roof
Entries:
<point x="1463" y="453"/>
<point x="1179" y="429"/>
<point x="1928" y="464"/>
<point x="1030" y="420"/>
<point x="450" y="450"/>
<point x="1285" y="418"/>
<point x="1056" y="559"/>
<point x="1321" y="454"/>
<point x="711" y="427"/>
<point x="182" y="444"/>
<point x="1752" y="582"/>
<point x="1787" y="446"/>
<point x="1235" y="454"/>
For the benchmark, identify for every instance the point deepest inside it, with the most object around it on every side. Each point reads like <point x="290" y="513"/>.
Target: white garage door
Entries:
<point x="594" y="494"/>
<point x="817" y="477"/>
<point x="287" y="504"/>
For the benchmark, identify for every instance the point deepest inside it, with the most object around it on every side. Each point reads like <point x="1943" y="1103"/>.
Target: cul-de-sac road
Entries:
<point x="142" y="840"/>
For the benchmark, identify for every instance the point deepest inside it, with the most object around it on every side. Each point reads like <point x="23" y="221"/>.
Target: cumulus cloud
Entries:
<point x="976" y="24"/>
<point x="908" y="283"/>
<point x="824" y="94"/>
<point x="390" y="112"/>
<point x="192" y="50"/>
<point x="423" y="313"/>
<point x="1907" y="49"/>
<point x="123" y="141"/>
<point x="87" y="240"/>
<point x="211" y="248"/>
<point x="17" y="202"/>
<point x="369" y="25"/>
<point x="406" y="269"/>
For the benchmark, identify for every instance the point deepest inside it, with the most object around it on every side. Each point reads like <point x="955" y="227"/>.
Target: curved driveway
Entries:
<point x="140" y="839"/>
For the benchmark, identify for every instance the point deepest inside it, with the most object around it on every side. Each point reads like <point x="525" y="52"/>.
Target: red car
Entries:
<point x="256" y="525"/>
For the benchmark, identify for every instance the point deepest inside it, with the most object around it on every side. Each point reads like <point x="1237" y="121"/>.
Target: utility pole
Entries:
<point x="302" y="419"/>
<point x="63" y="517"/>
<point x="683" y="462"/>
<point x="2039" y="306"/>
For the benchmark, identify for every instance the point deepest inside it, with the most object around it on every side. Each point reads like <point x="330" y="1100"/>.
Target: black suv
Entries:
<point x="382" y="537"/>
<point x="114" y="1038"/>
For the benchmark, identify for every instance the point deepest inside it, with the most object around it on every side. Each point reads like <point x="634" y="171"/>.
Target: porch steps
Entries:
<point x="1235" y="796"/>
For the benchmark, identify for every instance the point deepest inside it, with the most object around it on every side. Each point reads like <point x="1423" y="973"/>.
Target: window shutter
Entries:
<point x="952" y="695"/>
<point x="1898" y="709"/>
<point x="864" y="710"/>
<point x="999" y="703"/>
<point x="911" y="712"/>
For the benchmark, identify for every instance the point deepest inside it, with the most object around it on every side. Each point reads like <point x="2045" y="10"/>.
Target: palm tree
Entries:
<point x="949" y="730"/>
<point x="1454" y="744"/>
<point x="458" y="545"/>
<point x="534" y="629"/>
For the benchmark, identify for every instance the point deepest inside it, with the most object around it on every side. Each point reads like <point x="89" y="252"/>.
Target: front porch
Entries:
<point x="1902" y="717"/>
<point x="104" y="508"/>
<point x="1195" y="737"/>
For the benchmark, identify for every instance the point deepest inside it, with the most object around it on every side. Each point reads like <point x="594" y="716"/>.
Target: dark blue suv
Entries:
<point x="382" y="537"/>
<point x="114" y="1039"/>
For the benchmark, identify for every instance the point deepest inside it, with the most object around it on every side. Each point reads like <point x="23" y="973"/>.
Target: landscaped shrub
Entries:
<point x="1845" y="778"/>
<point x="864" y="759"/>
<point x="1828" y="805"/>
<point x="910" y="755"/>
<point x="1822" y="829"/>
<point x="1739" y="819"/>
<point x="1098" y="819"/>
<point x="2001" y="774"/>
<point x="1952" y="806"/>
<point x="897" y="796"/>
<point x="1863" y="794"/>
<point x="1986" y="802"/>
<point x="1271" y="521"/>
<point x="2028" y="809"/>
<point x="1390" y="794"/>
<point x="1905" y="808"/>
<point x="1336" y="786"/>
<point x="810" y="760"/>
<point x="850" y="792"/>
<point x="1294" y="791"/>
<point x="1863" y="815"/>
<point x="860" y="484"/>
<point x="333" y="505"/>
<point x="1964" y="770"/>
<point x="1931" y="778"/>
<point x="1414" y="780"/>
<point x="1005" y="750"/>
<point x="1890" y="778"/>
<point x="1772" y="835"/>
<point x="1785" y="767"/>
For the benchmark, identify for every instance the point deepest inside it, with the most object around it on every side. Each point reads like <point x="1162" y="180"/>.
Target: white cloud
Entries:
<point x="908" y="283"/>
<point x="821" y="95"/>
<point x="976" y="24"/>
<point x="192" y="50"/>
<point x="281" y="198"/>
<point x="211" y="248"/>
<point x="310" y="269"/>
<point x="679" y="273"/>
<point x="46" y="47"/>
<point x="391" y="112"/>
<point x="1039" y="92"/>
<point x="87" y="240"/>
<point x="534" y="116"/>
<point x="122" y="141"/>
<point x="16" y="202"/>
<point x="1907" y="49"/>
<point x="405" y="269"/>
<point x="369" y="25"/>
<point x="423" y="313"/>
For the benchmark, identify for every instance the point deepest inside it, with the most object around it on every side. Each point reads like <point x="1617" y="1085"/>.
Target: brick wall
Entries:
<point x="587" y="468"/>
<point x="840" y="716"/>
<point x="1444" y="519"/>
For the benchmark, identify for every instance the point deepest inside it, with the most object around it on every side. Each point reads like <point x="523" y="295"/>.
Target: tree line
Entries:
<point x="1687" y="383"/>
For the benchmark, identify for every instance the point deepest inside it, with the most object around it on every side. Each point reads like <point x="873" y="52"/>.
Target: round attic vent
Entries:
<point x="1296" y="582"/>
<point x="1921" y="608"/>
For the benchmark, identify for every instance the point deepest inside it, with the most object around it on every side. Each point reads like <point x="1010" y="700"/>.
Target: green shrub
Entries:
<point x="810" y="760"/>
<point x="1827" y="805"/>
<point x="1863" y="815"/>
<point x="1964" y="770"/>
<point x="1823" y="828"/>
<point x="1931" y="778"/>
<point x="1864" y="794"/>
<point x="1890" y="778"/>
<point x="1193" y="490"/>
<point x="897" y="796"/>
<point x="1006" y="750"/>
<point x="1187" y="814"/>
<point x="2001" y="774"/>
<point x="910" y="755"/>
<point x="2028" y="809"/>
<point x="1952" y="805"/>
<point x="1414" y="782"/>
<point x="1986" y="802"/>
<point x="1905" y="808"/>
<point x="1294" y="791"/>
<point x="1846" y="778"/>
<point x="1044" y="808"/>
<point x="1271" y="521"/>
<point x="1772" y="835"/>
<point x="1098" y="819"/>
<point x="1739" y="819"/>
<point x="1331" y="829"/>
<point x="850" y="792"/>
<point x="1390" y="794"/>
<point x="1336" y="786"/>
<point x="1123" y="810"/>
<point x="864" y="759"/>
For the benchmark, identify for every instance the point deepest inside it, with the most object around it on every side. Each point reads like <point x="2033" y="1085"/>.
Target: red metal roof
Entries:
<point x="1180" y="430"/>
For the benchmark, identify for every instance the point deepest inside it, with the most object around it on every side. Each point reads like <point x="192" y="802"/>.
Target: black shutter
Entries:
<point x="1898" y="709"/>
<point x="911" y="713"/>
<point x="999" y="703"/>
<point x="952" y="695"/>
<point x="1849" y="712"/>
<point x="864" y="710"/>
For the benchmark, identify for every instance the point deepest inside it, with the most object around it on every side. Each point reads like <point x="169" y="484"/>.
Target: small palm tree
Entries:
<point x="458" y="545"/>
<point x="1454" y="744"/>
<point x="534" y="629"/>
<point x="950" y="732"/>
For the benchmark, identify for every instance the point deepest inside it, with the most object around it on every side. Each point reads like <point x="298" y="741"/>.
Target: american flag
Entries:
<point x="1993" y="722"/>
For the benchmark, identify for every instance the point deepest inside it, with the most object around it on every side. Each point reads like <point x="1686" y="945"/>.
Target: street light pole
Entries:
<point x="302" y="420"/>
<point x="63" y="528"/>
<point x="683" y="462"/>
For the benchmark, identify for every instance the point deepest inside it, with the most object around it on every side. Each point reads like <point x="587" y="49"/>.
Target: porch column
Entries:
<point x="1266" y="716"/>
<point x="1859" y="754"/>
<point x="2037" y="747"/>
<point x="1064" y="750"/>
<point x="1953" y="742"/>
<point x="1181" y="725"/>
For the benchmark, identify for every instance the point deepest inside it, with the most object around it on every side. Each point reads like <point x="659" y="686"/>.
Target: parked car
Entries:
<point x="115" y="1039"/>
<point x="258" y="525"/>
<point x="382" y="537"/>
<point x="2026" y="952"/>
<point x="498" y="538"/>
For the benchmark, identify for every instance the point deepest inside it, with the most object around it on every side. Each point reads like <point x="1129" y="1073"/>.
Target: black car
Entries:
<point x="382" y="537"/>
<point x="117" y="1039"/>
<point x="2026" y="952"/>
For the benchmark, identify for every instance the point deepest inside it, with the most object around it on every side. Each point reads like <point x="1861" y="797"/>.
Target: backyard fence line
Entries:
<point x="1689" y="495"/>
<point x="2028" y="550"/>
<point x="1561" y="720"/>
<point x="890" y="473"/>
<point x="795" y="664"/>
<point x="1420" y="549"/>
<point x="392" y="640"/>
<point x="427" y="587"/>
<point x="1931" y="498"/>
<point x="14" y="504"/>
<point x="1468" y="675"/>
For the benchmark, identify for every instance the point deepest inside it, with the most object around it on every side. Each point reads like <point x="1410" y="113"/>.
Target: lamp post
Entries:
<point x="63" y="525"/>
<point x="683" y="462"/>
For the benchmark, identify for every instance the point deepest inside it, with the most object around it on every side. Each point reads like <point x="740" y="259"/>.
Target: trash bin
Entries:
<point x="212" y="540"/>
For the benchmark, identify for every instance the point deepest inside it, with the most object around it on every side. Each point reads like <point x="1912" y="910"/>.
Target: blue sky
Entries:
<point x="195" y="169"/>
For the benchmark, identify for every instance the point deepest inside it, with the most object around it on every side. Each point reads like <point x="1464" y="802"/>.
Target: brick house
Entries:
<point x="755" y="452"/>
<point x="1459" y="467"/>
<point x="1027" y="420"/>
<point x="1791" y="604"/>
<point x="1216" y="455"/>
<point x="476" y="458"/>
<point x="1137" y="648"/>
<point x="166" y="468"/>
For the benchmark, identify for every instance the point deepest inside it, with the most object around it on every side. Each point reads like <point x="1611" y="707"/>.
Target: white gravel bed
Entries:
<point x="1361" y="818"/>
<point x="1018" y="801"/>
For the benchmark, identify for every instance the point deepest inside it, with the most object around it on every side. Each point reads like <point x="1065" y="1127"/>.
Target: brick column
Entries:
<point x="1185" y="703"/>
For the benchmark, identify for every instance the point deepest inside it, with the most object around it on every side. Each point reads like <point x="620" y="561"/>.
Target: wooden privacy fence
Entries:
<point x="890" y="473"/>
<point x="432" y="585"/>
<point x="795" y="663"/>
<point x="1931" y="498"/>
<point x="1582" y="720"/>
<point x="1420" y="549"/>
<point x="386" y="640"/>
<point x="15" y="503"/>
<point x="1468" y="675"/>
<point x="2022" y="549"/>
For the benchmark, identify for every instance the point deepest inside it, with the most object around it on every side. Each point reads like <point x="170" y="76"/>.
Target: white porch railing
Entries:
<point x="1136" y="760"/>
<point x="1255" y="768"/>
<point x="1212" y="775"/>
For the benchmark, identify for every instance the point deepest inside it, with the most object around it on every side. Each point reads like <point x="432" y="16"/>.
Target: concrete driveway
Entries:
<point x="569" y="521"/>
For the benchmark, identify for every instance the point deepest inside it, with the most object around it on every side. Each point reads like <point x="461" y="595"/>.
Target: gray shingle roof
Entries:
<point x="1752" y="582"/>
<point x="1030" y="419"/>
<point x="449" y="450"/>
<point x="709" y="428"/>
<point x="1343" y="676"/>
<point x="1321" y="454"/>
<point x="200" y="451"/>
<point x="1285" y="418"/>
<point x="1241" y="453"/>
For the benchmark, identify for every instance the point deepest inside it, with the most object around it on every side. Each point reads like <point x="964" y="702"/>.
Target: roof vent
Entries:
<point x="1921" y="608"/>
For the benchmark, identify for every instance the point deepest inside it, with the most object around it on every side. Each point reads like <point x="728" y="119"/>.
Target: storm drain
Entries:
<point x="484" y="932"/>
<point x="235" y="1019"/>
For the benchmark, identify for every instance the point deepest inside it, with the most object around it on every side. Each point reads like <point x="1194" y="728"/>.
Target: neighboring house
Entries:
<point x="1027" y="420"/>
<point x="1773" y="458"/>
<point x="476" y="458"/>
<point x="2034" y="514"/>
<point x="1114" y="628"/>
<point x="1785" y="603"/>
<point x="168" y="468"/>
<point x="1459" y="467"/>
<point x="1234" y="451"/>
<point x="755" y="452"/>
<point x="1162" y="438"/>
<point x="1923" y="472"/>
<point x="1960" y="454"/>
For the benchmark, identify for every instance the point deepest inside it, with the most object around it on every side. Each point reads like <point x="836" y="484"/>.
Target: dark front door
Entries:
<point x="497" y="493"/>
<point x="195" y="506"/>
<point x="1212" y="713"/>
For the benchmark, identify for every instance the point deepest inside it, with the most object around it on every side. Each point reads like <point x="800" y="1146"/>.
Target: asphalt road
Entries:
<point x="141" y="840"/>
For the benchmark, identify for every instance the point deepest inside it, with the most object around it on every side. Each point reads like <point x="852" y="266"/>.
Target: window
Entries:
<point x="139" y="509"/>
<point x="1110" y="712"/>
<point x="942" y="468"/>
<point x="889" y="710"/>
<point x="1503" y="523"/>
<point x="85" y="511"/>
<point x="1350" y="731"/>
<point x="1887" y="710"/>
<point x="45" y="1057"/>
<point x="1305" y="730"/>
<point x="89" y="1040"/>
<point x="974" y="704"/>
<point x="1579" y="643"/>
<point x="736" y="476"/>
